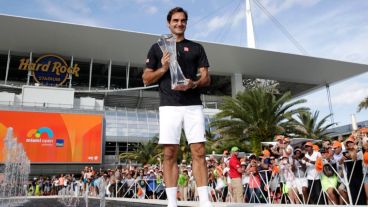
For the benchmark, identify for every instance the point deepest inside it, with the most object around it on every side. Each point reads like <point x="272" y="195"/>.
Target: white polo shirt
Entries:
<point x="312" y="173"/>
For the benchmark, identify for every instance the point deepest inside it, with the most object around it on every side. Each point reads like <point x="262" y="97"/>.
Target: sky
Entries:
<point x="332" y="29"/>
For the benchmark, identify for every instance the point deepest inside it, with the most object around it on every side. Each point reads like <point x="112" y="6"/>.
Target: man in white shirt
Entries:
<point x="338" y="160"/>
<point x="314" y="183"/>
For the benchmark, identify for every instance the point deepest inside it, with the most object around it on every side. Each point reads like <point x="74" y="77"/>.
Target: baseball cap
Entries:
<point x="350" y="139"/>
<point x="252" y="157"/>
<point x="310" y="144"/>
<point x="363" y="130"/>
<point x="266" y="153"/>
<point x="336" y="144"/>
<point x="297" y="149"/>
<point x="234" y="149"/>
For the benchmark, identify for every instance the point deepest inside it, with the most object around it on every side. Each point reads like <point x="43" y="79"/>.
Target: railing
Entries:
<point x="270" y="189"/>
<point x="38" y="106"/>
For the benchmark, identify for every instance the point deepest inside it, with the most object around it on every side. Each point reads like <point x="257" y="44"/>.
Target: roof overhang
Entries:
<point x="84" y="42"/>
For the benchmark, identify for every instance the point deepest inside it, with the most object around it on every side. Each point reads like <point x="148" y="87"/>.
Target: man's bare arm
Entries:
<point x="204" y="79"/>
<point x="151" y="76"/>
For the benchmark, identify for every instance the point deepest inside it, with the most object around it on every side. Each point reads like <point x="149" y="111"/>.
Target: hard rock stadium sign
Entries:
<point x="50" y="70"/>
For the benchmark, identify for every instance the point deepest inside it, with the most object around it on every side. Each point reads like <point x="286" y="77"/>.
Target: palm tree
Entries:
<point x="147" y="152"/>
<point x="363" y="104"/>
<point x="256" y="115"/>
<point x="307" y="125"/>
<point x="219" y="143"/>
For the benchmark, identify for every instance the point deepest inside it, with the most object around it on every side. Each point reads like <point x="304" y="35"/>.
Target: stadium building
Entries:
<point x="74" y="94"/>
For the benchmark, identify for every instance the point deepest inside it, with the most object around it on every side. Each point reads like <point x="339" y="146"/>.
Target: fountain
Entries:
<point x="69" y="196"/>
<point x="13" y="186"/>
<point x="102" y="191"/>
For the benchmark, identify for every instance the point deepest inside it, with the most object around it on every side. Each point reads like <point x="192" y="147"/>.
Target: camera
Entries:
<point x="346" y="154"/>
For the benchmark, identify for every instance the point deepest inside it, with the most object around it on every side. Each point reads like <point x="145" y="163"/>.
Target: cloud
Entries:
<point x="276" y="7"/>
<point x="69" y="11"/>
<point x="323" y="34"/>
<point x="218" y="23"/>
<point x="151" y="9"/>
<point x="345" y="99"/>
<point x="350" y="94"/>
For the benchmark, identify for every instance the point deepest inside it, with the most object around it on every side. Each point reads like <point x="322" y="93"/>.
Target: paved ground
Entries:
<point x="52" y="201"/>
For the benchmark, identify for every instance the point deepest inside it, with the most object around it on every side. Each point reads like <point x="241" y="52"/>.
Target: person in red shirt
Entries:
<point x="235" y="174"/>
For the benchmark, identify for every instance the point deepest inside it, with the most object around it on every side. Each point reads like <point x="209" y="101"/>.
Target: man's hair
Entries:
<point x="176" y="10"/>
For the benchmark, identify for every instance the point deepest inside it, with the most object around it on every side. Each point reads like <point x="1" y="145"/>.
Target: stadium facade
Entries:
<point x="53" y="67"/>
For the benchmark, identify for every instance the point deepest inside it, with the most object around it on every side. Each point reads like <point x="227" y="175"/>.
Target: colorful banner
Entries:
<point x="55" y="137"/>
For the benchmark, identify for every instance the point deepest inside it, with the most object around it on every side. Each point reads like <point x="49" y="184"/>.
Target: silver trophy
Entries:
<point x="168" y="43"/>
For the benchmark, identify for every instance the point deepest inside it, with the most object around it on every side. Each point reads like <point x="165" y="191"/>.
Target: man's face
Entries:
<point x="178" y="23"/>
<point x="350" y="145"/>
<point x="298" y="153"/>
<point x="308" y="148"/>
<point x="326" y="144"/>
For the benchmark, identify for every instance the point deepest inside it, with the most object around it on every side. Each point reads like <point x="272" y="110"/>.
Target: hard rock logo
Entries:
<point x="50" y="70"/>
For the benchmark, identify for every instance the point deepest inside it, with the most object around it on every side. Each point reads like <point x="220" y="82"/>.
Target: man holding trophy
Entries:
<point x="174" y="63"/>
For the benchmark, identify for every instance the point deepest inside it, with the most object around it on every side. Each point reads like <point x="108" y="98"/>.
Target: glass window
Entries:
<point x="100" y="75"/>
<point x="15" y="75"/>
<point x="82" y="80"/>
<point x="118" y="76"/>
<point x="135" y="77"/>
<point x="3" y="62"/>
<point x="220" y="85"/>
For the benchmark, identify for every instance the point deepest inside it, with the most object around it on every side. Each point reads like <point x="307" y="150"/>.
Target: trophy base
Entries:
<point x="179" y="85"/>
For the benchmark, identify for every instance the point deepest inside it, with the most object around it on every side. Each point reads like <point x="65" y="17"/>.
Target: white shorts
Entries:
<point x="300" y="183"/>
<point x="174" y="118"/>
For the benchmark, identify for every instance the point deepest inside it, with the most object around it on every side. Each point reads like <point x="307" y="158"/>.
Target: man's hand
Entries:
<point x="190" y="85"/>
<point x="165" y="61"/>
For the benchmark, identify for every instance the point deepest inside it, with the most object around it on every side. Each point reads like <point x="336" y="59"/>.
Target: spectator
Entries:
<point x="338" y="161"/>
<point x="236" y="174"/>
<point x="354" y="168"/>
<point x="299" y="169"/>
<point x="254" y="191"/>
<point x="329" y="179"/>
<point x="183" y="184"/>
<point x="278" y="148"/>
<point x="151" y="185"/>
<point x="287" y="149"/>
<point x="314" y="183"/>
<point x="290" y="186"/>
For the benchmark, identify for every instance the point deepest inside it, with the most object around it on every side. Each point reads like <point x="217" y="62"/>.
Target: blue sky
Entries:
<point x="335" y="29"/>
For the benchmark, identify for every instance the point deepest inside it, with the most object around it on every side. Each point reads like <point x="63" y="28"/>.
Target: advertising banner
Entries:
<point x="55" y="137"/>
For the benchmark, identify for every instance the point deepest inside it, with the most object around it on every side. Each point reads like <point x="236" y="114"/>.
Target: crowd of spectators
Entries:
<point x="333" y="173"/>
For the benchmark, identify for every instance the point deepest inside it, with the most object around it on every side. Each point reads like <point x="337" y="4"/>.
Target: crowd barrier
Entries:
<point x="273" y="188"/>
